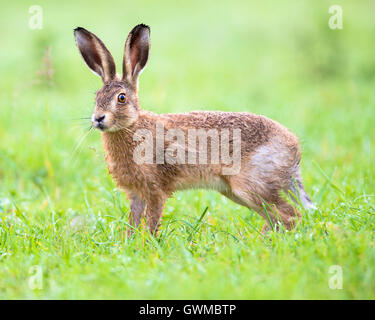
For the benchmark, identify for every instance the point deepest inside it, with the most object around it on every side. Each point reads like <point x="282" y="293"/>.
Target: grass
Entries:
<point x="61" y="213"/>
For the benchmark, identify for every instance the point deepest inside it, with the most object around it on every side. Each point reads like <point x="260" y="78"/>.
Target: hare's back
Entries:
<point x="255" y="129"/>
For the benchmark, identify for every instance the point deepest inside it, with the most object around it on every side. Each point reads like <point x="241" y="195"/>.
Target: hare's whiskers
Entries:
<point x="83" y="118"/>
<point x="77" y="150"/>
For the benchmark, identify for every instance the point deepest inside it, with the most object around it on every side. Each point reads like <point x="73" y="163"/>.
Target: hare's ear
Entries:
<point x="136" y="51"/>
<point x="95" y="54"/>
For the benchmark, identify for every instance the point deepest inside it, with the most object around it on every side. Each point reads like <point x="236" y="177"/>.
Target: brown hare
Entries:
<point x="250" y="159"/>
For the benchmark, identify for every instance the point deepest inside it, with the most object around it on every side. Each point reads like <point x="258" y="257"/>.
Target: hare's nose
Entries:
<point x="99" y="119"/>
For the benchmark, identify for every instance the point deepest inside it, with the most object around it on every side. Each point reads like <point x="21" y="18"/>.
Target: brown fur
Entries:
<point x="270" y="154"/>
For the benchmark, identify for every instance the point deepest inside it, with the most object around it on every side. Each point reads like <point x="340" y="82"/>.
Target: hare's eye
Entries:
<point x="121" y="98"/>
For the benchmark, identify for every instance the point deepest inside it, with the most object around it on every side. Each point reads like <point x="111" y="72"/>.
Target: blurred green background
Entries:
<point x="61" y="212"/>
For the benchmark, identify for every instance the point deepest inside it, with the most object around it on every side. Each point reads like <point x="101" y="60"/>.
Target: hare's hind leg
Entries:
<point x="267" y="172"/>
<point x="280" y="211"/>
<point x="265" y="201"/>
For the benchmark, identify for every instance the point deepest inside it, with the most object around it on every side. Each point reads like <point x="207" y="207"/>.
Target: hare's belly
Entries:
<point x="216" y="183"/>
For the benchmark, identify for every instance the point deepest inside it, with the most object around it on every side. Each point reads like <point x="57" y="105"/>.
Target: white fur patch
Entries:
<point x="269" y="159"/>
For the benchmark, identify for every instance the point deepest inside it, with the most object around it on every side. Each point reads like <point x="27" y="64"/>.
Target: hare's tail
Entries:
<point x="298" y="194"/>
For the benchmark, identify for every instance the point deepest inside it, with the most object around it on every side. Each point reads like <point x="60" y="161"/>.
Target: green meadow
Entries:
<point x="62" y="219"/>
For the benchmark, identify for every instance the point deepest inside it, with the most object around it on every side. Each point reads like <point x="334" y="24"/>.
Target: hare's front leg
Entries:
<point x="137" y="207"/>
<point x="154" y="211"/>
